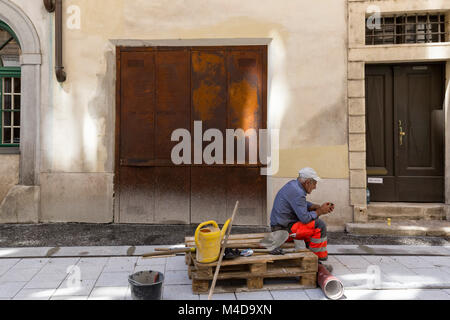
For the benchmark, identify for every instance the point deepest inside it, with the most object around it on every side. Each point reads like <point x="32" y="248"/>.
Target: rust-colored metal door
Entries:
<point x="163" y="89"/>
<point x="154" y="101"/>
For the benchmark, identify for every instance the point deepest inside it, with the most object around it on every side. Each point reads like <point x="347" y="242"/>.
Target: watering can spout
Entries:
<point x="224" y="229"/>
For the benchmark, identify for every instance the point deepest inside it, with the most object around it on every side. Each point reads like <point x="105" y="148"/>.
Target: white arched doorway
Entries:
<point x="22" y="202"/>
<point x="30" y="62"/>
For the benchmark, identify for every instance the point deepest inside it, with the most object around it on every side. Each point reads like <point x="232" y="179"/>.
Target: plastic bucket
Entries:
<point x="146" y="285"/>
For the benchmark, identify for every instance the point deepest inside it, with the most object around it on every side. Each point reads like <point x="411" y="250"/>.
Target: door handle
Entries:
<point x="401" y="133"/>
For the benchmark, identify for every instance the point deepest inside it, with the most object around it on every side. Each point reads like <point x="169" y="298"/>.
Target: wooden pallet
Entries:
<point x="259" y="272"/>
<point x="240" y="241"/>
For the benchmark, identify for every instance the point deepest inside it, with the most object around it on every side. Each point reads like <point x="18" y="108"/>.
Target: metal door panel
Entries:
<point x="137" y="195"/>
<point x="172" y="195"/>
<point x="209" y="194"/>
<point x="137" y="105"/>
<point x="246" y="185"/>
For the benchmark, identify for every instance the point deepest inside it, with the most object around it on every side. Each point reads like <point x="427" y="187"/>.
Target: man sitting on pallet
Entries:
<point x="293" y="213"/>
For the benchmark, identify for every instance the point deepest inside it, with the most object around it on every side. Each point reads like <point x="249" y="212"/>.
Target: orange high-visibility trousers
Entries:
<point x="315" y="236"/>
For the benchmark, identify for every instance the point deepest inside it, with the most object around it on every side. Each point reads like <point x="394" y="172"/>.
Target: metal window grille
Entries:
<point x="406" y="28"/>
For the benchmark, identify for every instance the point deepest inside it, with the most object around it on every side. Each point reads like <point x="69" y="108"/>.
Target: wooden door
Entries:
<point x="405" y="135"/>
<point x="163" y="89"/>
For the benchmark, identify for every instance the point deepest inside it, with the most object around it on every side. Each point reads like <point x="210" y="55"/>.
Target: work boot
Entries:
<point x="327" y="266"/>
<point x="277" y="251"/>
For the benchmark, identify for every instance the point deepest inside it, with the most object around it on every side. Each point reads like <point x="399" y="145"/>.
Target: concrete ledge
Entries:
<point x="406" y="211"/>
<point x="435" y="228"/>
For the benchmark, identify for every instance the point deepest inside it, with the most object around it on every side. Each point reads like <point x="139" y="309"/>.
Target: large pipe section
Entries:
<point x="331" y="286"/>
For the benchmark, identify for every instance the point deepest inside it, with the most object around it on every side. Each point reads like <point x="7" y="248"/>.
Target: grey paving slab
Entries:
<point x="410" y="294"/>
<point x="19" y="274"/>
<point x="289" y="295"/>
<point x="43" y="284"/>
<point x="179" y="292"/>
<point x="387" y="250"/>
<point x="44" y="280"/>
<point x="93" y="262"/>
<point x="120" y="264"/>
<point x="113" y="279"/>
<point x="219" y="296"/>
<point x="128" y="294"/>
<point x="69" y="298"/>
<point x="176" y="263"/>
<point x="433" y="295"/>
<point x="177" y="277"/>
<point x="433" y="275"/>
<point x="24" y="252"/>
<point x="34" y="294"/>
<point x="356" y="278"/>
<point x="151" y="261"/>
<point x="6" y="264"/>
<point x="438" y="261"/>
<point x="355" y="262"/>
<point x="10" y="289"/>
<point x="89" y="272"/>
<point x="315" y="294"/>
<point x="412" y="262"/>
<point x="32" y="263"/>
<point x="59" y="265"/>
<point x="93" y="251"/>
<point x="257" y="295"/>
<point x="108" y="293"/>
<point x="77" y="288"/>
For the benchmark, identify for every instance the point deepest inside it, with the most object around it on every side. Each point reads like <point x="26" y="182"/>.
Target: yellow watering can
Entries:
<point x="208" y="241"/>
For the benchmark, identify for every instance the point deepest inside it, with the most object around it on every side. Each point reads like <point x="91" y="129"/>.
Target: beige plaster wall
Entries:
<point x="307" y="93"/>
<point x="306" y="101"/>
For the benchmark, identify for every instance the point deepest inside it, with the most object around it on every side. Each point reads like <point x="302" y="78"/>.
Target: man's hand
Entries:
<point x="325" y="208"/>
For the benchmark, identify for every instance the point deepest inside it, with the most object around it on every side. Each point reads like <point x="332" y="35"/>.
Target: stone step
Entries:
<point x="401" y="211"/>
<point x="435" y="228"/>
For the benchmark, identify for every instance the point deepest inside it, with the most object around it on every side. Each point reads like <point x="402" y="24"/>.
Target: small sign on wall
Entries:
<point x="375" y="180"/>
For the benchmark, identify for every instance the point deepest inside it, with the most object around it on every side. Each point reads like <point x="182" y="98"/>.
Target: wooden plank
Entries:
<point x="227" y="285"/>
<point x="258" y="268"/>
<point x="258" y="259"/>
<point x="200" y="286"/>
<point x="271" y="273"/>
<point x="255" y="283"/>
<point x="308" y="279"/>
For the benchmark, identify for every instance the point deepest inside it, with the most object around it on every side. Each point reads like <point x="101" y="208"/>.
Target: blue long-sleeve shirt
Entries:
<point x="290" y="205"/>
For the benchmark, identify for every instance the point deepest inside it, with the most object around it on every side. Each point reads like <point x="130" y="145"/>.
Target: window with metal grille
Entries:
<point x="10" y="107"/>
<point x="406" y="28"/>
<point x="10" y="88"/>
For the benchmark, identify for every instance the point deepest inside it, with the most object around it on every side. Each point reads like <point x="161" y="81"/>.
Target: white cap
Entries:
<point x="308" y="173"/>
